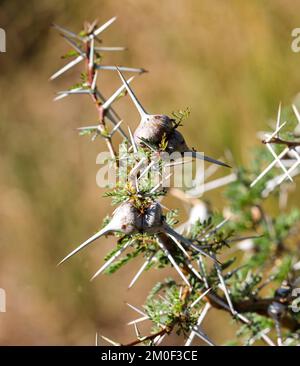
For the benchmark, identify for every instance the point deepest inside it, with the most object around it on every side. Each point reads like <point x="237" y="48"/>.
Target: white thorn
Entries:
<point x="138" y="105"/>
<point x="225" y="290"/>
<point x="93" y="86"/>
<point x="74" y="91"/>
<point x="217" y="227"/>
<point x="172" y="260"/>
<point x="159" y="339"/>
<point x="110" y="341"/>
<point x="203" y="336"/>
<point x="73" y="44"/>
<point x="116" y="127"/>
<point x="111" y="115"/>
<point x="67" y="67"/>
<point x="140" y="271"/>
<point x="91" y="55"/>
<point x="100" y="233"/>
<point x="279" y="161"/>
<point x="202" y="315"/>
<point x="136" y="309"/>
<point x="269" y="167"/>
<point x="135" y="150"/>
<point x="278" y="116"/>
<point x="147" y="169"/>
<point x="269" y="137"/>
<point x="92" y="128"/>
<point x="67" y="32"/>
<point x="108" y="49"/>
<point x="109" y="262"/>
<point x="137" y="332"/>
<point x="187" y="242"/>
<point x="103" y="27"/>
<point x="200" y="297"/>
<point x="122" y="68"/>
<point x="161" y="183"/>
<point x="296" y="113"/>
<point x="110" y="100"/>
<point x="187" y="261"/>
<point x="139" y="320"/>
<point x="294" y="166"/>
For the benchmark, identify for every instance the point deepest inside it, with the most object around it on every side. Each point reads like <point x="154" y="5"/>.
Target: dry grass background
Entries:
<point x="230" y="62"/>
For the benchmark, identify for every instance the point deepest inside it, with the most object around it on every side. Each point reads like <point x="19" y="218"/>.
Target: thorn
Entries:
<point x="74" y="45"/>
<point x="136" y="309"/>
<point x="269" y="137"/>
<point x="137" y="332"/>
<point x="100" y="233"/>
<point x="91" y="55"/>
<point x="224" y="288"/>
<point x="93" y="86"/>
<point x="92" y="128"/>
<point x="116" y="128"/>
<point x="138" y="105"/>
<point x="135" y="150"/>
<point x="279" y="161"/>
<point x="200" y="297"/>
<point x="110" y="341"/>
<point x="187" y="242"/>
<point x="203" y="336"/>
<point x="202" y="315"/>
<point x="296" y="113"/>
<point x="74" y="91"/>
<point x="67" y="67"/>
<point x="109" y="262"/>
<point x="108" y="49"/>
<point x="215" y="229"/>
<point x="172" y="260"/>
<point x="198" y="155"/>
<point x="294" y="166"/>
<point x="111" y="115"/>
<point x="187" y="260"/>
<point x="278" y="116"/>
<point x="139" y="320"/>
<point x="116" y="94"/>
<point x="122" y="68"/>
<point x="67" y="32"/>
<point x="103" y="27"/>
<point x="269" y="167"/>
<point x="161" y="183"/>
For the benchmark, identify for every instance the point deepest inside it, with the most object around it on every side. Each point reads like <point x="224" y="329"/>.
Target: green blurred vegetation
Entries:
<point x="230" y="62"/>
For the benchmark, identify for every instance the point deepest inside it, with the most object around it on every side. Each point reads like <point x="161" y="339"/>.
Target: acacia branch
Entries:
<point x="90" y="71"/>
<point x="280" y="141"/>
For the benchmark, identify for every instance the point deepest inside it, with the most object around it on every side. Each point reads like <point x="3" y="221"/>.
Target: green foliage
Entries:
<point x="209" y="257"/>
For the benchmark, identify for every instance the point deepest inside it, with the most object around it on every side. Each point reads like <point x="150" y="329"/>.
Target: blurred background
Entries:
<point x="230" y="62"/>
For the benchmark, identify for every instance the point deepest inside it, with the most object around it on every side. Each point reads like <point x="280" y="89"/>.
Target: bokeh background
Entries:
<point x="229" y="61"/>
